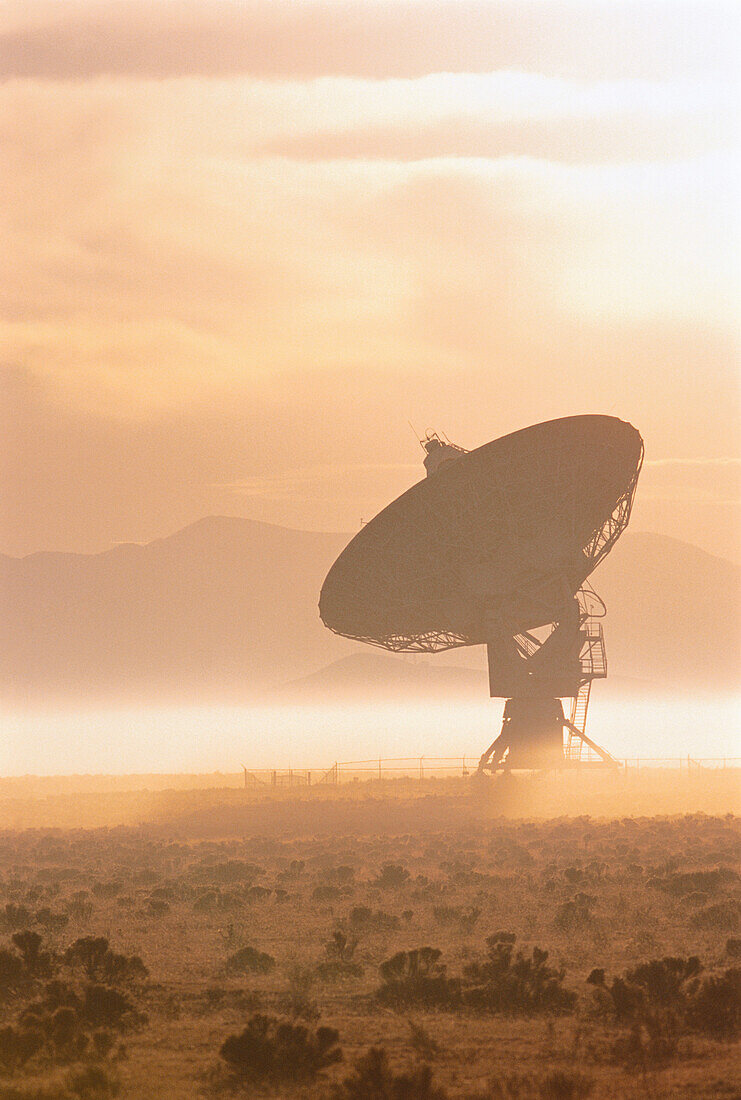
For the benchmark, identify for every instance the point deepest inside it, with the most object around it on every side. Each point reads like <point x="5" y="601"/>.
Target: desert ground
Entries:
<point x="379" y="940"/>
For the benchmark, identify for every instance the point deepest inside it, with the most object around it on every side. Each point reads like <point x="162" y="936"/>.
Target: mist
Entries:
<point x="223" y="738"/>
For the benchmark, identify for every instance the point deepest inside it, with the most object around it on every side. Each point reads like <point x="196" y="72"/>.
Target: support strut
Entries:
<point x="534" y="675"/>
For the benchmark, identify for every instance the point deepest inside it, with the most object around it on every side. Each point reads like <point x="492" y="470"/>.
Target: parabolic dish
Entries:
<point x="497" y="540"/>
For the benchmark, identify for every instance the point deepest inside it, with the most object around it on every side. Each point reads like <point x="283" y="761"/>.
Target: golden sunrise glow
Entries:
<point x="200" y="230"/>
<point x="370" y="549"/>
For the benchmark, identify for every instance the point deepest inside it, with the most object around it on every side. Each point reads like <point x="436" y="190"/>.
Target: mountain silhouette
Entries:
<point x="226" y="609"/>
<point x="376" y="674"/>
<point x="220" y="610"/>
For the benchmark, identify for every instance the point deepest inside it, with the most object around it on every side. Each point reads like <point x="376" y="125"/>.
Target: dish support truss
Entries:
<point x="539" y="672"/>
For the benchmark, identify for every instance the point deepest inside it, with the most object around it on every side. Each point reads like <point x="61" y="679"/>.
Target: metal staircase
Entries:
<point x="593" y="656"/>
<point x="579" y="706"/>
<point x="593" y="659"/>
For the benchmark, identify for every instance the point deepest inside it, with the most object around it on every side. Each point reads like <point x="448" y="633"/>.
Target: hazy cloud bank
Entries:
<point x="227" y="262"/>
<point x="372" y="38"/>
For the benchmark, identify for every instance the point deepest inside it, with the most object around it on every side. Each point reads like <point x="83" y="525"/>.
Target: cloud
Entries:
<point x="354" y="488"/>
<point x="193" y="323"/>
<point x="703" y="462"/>
<point x="507" y="114"/>
<point x="153" y="265"/>
<point x="570" y="142"/>
<point x="709" y="481"/>
<point x="370" y="38"/>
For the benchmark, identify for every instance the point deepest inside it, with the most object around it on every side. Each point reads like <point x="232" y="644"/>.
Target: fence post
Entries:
<point x="379" y="768"/>
<point x="421" y="768"/>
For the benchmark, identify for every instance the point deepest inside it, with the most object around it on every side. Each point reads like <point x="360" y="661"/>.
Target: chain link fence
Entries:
<point x="440" y="767"/>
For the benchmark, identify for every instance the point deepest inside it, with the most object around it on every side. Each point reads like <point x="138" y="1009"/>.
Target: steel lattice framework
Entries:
<point x="497" y="541"/>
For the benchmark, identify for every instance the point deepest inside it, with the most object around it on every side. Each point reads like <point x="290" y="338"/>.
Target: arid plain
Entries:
<point x="373" y="940"/>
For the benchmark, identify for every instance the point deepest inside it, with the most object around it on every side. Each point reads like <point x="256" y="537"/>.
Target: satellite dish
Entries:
<point x="494" y="544"/>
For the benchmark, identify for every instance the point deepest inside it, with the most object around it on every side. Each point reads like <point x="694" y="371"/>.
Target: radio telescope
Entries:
<point x="495" y="547"/>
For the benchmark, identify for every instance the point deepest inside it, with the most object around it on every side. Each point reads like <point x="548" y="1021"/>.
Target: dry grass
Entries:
<point x="189" y="893"/>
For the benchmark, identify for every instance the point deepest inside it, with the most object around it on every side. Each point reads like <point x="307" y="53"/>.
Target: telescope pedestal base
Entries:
<point x="532" y="738"/>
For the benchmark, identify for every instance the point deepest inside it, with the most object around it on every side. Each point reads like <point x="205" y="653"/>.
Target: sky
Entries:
<point x="246" y="244"/>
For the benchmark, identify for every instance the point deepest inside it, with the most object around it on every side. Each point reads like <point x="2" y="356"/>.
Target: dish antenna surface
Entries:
<point x="495" y="547"/>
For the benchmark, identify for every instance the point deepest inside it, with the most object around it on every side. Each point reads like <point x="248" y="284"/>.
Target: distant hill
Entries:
<point x="376" y="676"/>
<point x="673" y="613"/>
<point x="220" y="610"/>
<point x="227" y="609"/>
<point x="382" y="675"/>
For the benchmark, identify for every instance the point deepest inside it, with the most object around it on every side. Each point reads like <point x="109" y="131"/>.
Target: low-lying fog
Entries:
<point x="194" y="739"/>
